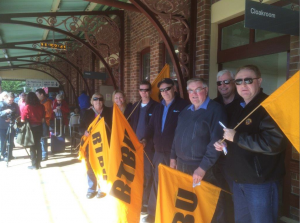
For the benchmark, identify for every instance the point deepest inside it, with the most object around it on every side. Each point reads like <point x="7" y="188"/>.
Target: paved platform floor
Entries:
<point x="54" y="194"/>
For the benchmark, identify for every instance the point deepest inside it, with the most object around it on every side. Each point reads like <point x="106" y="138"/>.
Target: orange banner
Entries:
<point x="283" y="106"/>
<point x="164" y="73"/>
<point x="98" y="151"/>
<point x="126" y="170"/>
<point x="178" y="201"/>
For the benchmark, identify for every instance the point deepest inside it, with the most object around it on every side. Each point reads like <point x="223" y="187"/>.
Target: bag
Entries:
<point x="24" y="133"/>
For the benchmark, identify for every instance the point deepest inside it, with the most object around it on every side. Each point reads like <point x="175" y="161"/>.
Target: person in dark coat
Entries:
<point x="162" y="129"/>
<point x="256" y="149"/>
<point x="139" y="120"/>
<point x="97" y="108"/>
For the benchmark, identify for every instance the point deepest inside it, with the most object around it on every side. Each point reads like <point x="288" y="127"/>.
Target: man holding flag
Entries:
<point x="255" y="159"/>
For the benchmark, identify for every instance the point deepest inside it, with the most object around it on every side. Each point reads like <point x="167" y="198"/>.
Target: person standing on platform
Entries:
<point x="22" y="101"/>
<point x="41" y="94"/>
<point x="84" y="103"/>
<point x="139" y="121"/>
<point x="97" y="108"/>
<point x="162" y="129"/>
<point x="61" y="109"/>
<point x="34" y="112"/>
<point x="256" y="151"/>
<point x="119" y="98"/>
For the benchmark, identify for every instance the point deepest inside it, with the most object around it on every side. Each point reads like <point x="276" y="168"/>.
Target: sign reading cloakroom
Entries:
<point x="271" y="18"/>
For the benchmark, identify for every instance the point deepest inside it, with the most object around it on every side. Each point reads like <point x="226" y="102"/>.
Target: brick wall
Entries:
<point x="203" y="38"/>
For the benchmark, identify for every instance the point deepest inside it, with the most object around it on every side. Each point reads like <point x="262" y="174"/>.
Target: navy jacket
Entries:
<point x="163" y="140"/>
<point x="84" y="101"/>
<point x="134" y="119"/>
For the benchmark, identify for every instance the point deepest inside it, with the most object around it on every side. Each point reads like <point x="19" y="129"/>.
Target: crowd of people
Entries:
<point x="185" y="135"/>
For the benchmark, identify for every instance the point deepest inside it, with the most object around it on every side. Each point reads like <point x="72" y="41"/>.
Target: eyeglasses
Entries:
<point x="197" y="90"/>
<point x="144" y="90"/>
<point x="219" y="83"/>
<point x="247" y="80"/>
<point x="97" y="99"/>
<point x="165" y="89"/>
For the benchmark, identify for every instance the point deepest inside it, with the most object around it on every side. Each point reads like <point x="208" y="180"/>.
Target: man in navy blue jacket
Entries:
<point x="161" y="129"/>
<point x="139" y="121"/>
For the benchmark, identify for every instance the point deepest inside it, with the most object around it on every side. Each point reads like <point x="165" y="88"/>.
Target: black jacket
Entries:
<point x="256" y="154"/>
<point x="163" y="140"/>
<point x="4" y="116"/>
<point x="134" y="119"/>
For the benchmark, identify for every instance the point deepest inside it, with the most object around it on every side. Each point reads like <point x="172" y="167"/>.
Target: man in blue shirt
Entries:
<point x="161" y="129"/>
<point x="193" y="150"/>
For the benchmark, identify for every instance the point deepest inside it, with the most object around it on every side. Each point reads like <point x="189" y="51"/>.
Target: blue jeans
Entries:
<point x="255" y="203"/>
<point x="44" y="143"/>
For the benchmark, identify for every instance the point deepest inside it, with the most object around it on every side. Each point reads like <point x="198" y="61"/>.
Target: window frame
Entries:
<point x="142" y="53"/>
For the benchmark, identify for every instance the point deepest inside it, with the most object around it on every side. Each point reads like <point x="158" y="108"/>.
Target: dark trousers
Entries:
<point x="3" y="138"/>
<point x="214" y="177"/>
<point x="36" y="150"/>
<point x="148" y="177"/>
<point x="159" y="158"/>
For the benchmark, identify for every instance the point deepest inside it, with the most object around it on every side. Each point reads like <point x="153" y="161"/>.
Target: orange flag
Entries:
<point x="84" y="140"/>
<point x="126" y="170"/>
<point x="283" y="106"/>
<point x="98" y="151"/>
<point x="178" y="201"/>
<point x="164" y="73"/>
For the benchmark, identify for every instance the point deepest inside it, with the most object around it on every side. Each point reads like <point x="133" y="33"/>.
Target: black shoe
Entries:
<point x="90" y="195"/>
<point x="144" y="210"/>
<point x="32" y="168"/>
<point x="149" y="219"/>
<point x="101" y="194"/>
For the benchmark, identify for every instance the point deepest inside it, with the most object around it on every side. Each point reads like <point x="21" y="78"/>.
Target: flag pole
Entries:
<point x="134" y="109"/>
<point x="244" y="119"/>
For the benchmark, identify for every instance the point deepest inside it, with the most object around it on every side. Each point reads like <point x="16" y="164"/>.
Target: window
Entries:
<point x="145" y="64"/>
<point x="168" y="60"/>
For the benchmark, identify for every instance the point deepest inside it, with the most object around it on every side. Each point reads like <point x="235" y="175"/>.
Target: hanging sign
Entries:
<point x="271" y="18"/>
<point x="54" y="46"/>
<point x="50" y="83"/>
<point x="94" y="75"/>
<point x="38" y="83"/>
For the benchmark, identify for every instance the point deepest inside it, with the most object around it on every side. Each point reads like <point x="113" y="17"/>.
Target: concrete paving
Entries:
<point x="54" y="194"/>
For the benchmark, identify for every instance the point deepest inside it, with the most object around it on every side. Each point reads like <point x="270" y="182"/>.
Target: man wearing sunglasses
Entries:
<point x="197" y="130"/>
<point x="139" y="121"/>
<point x="161" y="129"/>
<point x="255" y="159"/>
<point x="228" y="95"/>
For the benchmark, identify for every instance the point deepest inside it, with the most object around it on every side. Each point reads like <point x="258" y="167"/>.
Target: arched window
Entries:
<point x="145" y="64"/>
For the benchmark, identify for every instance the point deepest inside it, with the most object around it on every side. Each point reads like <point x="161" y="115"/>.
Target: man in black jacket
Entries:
<point x="161" y="129"/>
<point x="255" y="159"/>
<point x="139" y="121"/>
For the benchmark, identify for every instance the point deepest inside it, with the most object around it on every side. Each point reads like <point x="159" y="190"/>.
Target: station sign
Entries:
<point x="94" y="75"/>
<point x="38" y="83"/>
<point x="271" y="18"/>
<point x="53" y="46"/>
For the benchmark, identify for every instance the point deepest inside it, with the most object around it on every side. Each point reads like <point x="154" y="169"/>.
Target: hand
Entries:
<point x="7" y="111"/>
<point x="86" y="133"/>
<point x="219" y="145"/>
<point x="144" y="142"/>
<point x="198" y="175"/>
<point x="229" y="134"/>
<point x="55" y="110"/>
<point x="173" y="163"/>
<point x="7" y="120"/>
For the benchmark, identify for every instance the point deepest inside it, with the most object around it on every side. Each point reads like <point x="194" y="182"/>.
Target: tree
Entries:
<point x="13" y="86"/>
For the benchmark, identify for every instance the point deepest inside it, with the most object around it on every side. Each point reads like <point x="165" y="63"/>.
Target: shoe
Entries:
<point x="144" y="210"/>
<point x="32" y="168"/>
<point x="90" y="195"/>
<point x="149" y="219"/>
<point x="101" y="194"/>
<point x="45" y="158"/>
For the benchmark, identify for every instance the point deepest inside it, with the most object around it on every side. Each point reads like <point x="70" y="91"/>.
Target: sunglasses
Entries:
<point x="197" y="90"/>
<point x="247" y="80"/>
<point x="165" y="89"/>
<point x="144" y="90"/>
<point x="97" y="99"/>
<point x="219" y="83"/>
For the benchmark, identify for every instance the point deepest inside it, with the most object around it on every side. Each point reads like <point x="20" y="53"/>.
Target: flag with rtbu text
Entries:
<point x="126" y="171"/>
<point x="178" y="201"/>
<point x="283" y="106"/>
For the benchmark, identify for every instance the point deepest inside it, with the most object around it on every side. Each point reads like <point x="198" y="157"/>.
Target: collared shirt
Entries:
<point x="166" y="109"/>
<point x="243" y="104"/>
<point x="203" y="105"/>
